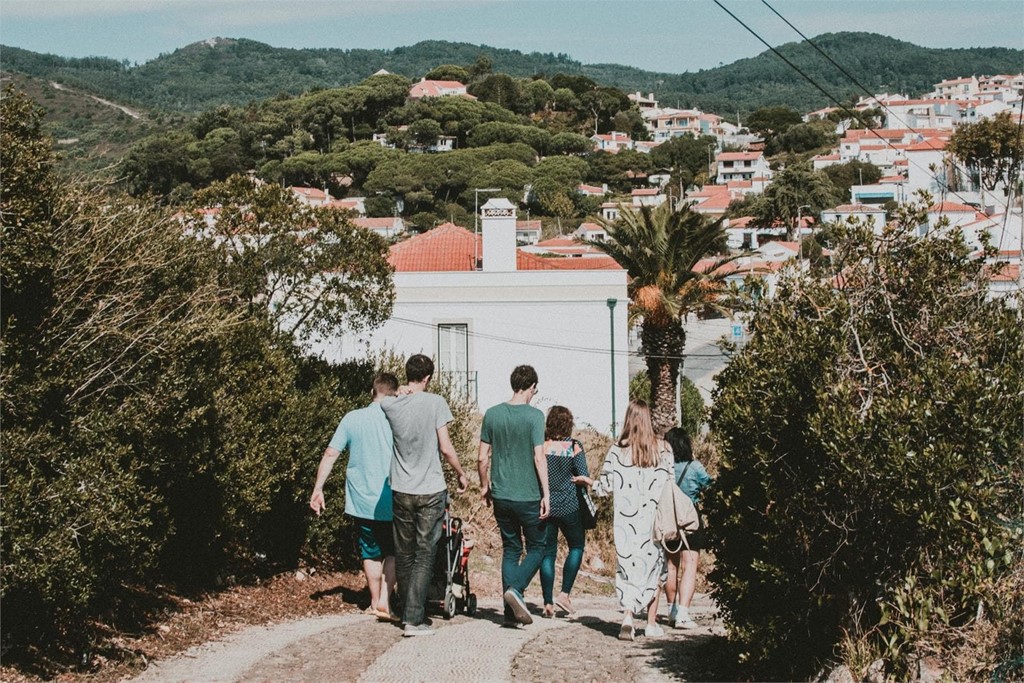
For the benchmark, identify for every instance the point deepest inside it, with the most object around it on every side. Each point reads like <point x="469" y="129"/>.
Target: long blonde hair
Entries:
<point x="638" y="435"/>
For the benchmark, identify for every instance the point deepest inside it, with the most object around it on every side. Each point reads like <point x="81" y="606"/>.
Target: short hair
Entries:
<point x="418" y="368"/>
<point x="523" y="377"/>
<point x="385" y="384"/>
<point x="559" y="423"/>
<point x="682" y="446"/>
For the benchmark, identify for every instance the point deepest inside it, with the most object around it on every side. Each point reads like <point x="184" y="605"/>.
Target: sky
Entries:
<point x="658" y="35"/>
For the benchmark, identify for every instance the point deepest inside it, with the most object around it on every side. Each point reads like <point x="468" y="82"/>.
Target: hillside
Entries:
<point x="229" y="71"/>
<point x="90" y="134"/>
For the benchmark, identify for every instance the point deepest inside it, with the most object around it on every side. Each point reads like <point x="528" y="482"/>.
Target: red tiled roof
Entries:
<point x="951" y="207"/>
<point x="375" y="223"/>
<point x="856" y="208"/>
<point x="929" y="144"/>
<point x="645" y="192"/>
<point x="528" y="225"/>
<point x="1004" y="272"/>
<point x="717" y="202"/>
<point x="709" y="190"/>
<point x="309" y="192"/>
<point x="450" y="248"/>
<point x="738" y="156"/>
<point x="591" y="227"/>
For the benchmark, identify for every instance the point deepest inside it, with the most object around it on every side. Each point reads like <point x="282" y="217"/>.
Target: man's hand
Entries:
<point x="463" y="483"/>
<point x="486" y="497"/>
<point x="316" y="501"/>
<point x="545" y="507"/>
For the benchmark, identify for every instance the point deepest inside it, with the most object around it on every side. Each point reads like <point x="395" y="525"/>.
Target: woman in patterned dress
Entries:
<point x="635" y="471"/>
<point x="566" y="460"/>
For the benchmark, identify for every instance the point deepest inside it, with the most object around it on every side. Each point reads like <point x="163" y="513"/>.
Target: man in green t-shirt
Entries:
<point x="512" y="435"/>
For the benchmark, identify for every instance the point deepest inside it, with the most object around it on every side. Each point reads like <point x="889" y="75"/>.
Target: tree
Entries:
<point x="686" y="156"/>
<point x="663" y="251"/>
<point x="993" y="148"/>
<point x="448" y="72"/>
<point x="771" y="121"/>
<point x="854" y="172"/>
<point x="797" y="191"/>
<point x="869" y="493"/>
<point x="307" y="270"/>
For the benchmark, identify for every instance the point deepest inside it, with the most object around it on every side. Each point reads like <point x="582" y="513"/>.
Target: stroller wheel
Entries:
<point x="471" y="604"/>
<point x="449" y="604"/>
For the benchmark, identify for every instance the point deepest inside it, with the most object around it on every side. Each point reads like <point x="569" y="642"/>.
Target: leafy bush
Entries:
<point x="870" y="480"/>
<point x="691" y="404"/>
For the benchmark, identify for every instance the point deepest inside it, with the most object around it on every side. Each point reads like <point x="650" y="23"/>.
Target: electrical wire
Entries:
<point x="821" y="89"/>
<point x="863" y="88"/>
<point x="562" y="347"/>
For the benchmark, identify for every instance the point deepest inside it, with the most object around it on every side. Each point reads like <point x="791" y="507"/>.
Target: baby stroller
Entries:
<point x="450" y="582"/>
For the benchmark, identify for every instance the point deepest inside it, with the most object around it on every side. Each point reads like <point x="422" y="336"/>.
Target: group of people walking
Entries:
<point x="535" y="476"/>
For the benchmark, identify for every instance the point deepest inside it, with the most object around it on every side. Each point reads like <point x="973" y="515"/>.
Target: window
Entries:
<point x="453" y="359"/>
<point x="453" y="347"/>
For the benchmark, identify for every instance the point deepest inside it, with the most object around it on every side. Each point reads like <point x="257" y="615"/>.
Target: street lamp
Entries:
<point x="476" y="220"/>
<point x="710" y="147"/>
<point x="799" y="236"/>
<point x="611" y="324"/>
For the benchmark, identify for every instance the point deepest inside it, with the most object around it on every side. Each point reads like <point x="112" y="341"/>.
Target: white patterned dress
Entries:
<point x="635" y="491"/>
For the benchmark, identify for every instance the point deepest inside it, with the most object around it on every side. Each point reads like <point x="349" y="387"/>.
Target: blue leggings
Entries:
<point x="576" y="538"/>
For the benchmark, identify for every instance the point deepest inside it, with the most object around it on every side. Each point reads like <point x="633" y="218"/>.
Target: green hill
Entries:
<point x="229" y="71"/>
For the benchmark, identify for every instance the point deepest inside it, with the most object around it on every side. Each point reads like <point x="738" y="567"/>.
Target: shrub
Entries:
<point x="870" y="479"/>
<point x="691" y="404"/>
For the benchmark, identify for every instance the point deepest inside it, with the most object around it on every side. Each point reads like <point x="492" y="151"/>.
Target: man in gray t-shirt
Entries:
<point x="419" y="421"/>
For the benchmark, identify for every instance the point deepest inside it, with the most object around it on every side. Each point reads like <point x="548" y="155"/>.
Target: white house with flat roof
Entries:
<point x="480" y="306"/>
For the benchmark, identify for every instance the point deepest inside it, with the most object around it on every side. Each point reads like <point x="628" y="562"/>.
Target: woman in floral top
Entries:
<point x="566" y="460"/>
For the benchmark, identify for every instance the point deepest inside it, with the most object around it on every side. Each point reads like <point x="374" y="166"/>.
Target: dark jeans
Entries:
<point x="576" y="538"/>
<point x="417" y="525"/>
<point x="519" y="520"/>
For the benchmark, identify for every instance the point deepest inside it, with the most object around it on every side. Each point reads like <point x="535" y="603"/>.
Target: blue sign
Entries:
<point x="737" y="331"/>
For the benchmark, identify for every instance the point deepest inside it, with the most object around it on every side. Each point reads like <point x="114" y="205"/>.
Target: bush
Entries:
<point x="691" y="404"/>
<point x="870" y="480"/>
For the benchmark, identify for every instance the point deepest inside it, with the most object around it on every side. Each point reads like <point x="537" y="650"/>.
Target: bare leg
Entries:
<point x="373" y="572"/>
<point x="689" y="583"/>
<point x="387" y="584"/>
<point x="652" y="609"/>
<point x="673" y="578"/>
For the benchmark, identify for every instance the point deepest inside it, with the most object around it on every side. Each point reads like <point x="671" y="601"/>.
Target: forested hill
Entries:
<point x="228" y="71"/>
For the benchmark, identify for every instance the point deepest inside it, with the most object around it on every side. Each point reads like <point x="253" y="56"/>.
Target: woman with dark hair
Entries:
<point x="566" y="460"/>
<point x="635" y="472"/>
<point x="691" y="477"/>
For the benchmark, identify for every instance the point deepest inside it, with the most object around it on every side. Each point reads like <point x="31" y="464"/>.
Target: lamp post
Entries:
<point x="476" y="220"/>
<point x="710" y="147"/>
<point x="611" y="326"/>
<point x="799" y="237"/>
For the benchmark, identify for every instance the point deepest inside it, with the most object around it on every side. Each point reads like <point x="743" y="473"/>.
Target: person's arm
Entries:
<point x="483" y="468"/>
<point x="316" y="501"/>
<point x="604" y="484"/>
<point x="579" y="460"/>
<point x="444" y="443"/>
<point x="540" y="461"/>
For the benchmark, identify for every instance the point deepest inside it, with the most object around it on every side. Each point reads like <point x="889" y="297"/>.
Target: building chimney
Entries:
<point x="498" y="221"/>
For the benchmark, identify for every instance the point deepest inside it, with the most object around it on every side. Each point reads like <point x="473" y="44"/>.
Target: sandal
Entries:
<point x="626" y="632"/>
<point x="566" y="606"/>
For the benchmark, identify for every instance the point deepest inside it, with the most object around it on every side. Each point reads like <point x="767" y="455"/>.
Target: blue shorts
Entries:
<point x="374" y="540"/>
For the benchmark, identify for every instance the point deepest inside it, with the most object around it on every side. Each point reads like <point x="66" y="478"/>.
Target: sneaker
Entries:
<point x="684" y="620"/>
<point x="673" y="613"/>
<point x="654" y="631"/>
<point x="626" y="632"/>
<point x="418" y="630"/>
<point x="518" y="606"/>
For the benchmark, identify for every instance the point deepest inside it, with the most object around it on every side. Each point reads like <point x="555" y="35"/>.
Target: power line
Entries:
<point x="561" y="347"/>
<point x="810" y="80"/>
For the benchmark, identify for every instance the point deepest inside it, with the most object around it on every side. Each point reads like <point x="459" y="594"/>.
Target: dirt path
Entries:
<point x="354" y="647"/>
<point x="130" y="112"/>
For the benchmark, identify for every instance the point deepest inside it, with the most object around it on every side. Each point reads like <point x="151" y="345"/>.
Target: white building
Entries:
<point x="873" y="215"/>
<point x="742" y="166"/>
<point x="479" y="306"/>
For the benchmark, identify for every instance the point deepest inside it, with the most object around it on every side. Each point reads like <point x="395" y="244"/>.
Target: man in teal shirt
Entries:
<point x="512" y="435"/>
<point x="366" y="434"/>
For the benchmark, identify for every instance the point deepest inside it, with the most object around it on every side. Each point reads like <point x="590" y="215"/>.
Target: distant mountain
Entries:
<point x="229" y="71"/>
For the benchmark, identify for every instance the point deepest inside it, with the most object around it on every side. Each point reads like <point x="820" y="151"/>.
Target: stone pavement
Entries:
<point x="354" y="647"/>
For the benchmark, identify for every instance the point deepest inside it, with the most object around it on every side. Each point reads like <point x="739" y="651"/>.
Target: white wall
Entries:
<point x="556" y="321"/>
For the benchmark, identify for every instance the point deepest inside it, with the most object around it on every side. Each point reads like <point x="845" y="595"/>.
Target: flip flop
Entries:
<point x="565" y="606"/>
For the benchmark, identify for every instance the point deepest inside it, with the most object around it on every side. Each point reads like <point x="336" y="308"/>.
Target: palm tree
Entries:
<point x="664" y="252"/>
